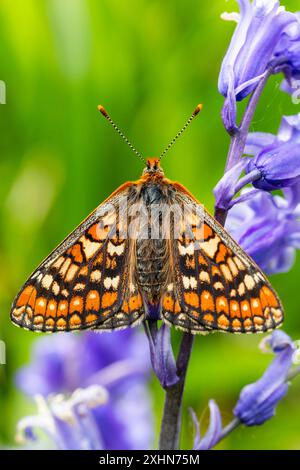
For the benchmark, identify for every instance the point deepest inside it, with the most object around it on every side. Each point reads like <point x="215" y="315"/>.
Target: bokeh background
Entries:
<point x="149" y="62"/>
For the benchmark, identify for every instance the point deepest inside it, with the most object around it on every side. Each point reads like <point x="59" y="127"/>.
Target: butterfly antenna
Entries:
<point x="107" y="116"/>
<point x="188" y="122"/>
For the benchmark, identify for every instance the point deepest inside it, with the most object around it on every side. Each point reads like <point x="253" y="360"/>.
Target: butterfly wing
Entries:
<point x="84" y="282"/>
<point x="217" y="286"/>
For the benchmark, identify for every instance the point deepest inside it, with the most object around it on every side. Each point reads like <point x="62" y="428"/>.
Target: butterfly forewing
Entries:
<point x="219" y="287"/>
<point x="84" y="282"/>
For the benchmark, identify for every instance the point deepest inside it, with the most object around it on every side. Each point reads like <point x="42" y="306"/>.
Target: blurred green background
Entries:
<point x="149" y="62"/>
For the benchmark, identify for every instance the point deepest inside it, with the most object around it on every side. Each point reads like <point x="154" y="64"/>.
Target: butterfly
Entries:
<point x="149" y="251"/>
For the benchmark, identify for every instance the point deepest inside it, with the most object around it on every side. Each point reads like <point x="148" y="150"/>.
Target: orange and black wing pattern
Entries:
<point x="84" y="283"/>
<point x="216" y="285"/>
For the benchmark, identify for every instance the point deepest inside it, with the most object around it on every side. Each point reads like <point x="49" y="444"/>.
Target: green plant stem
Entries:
<point x="171" y="421"/>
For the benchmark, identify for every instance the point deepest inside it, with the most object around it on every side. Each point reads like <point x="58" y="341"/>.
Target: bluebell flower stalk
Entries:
<point x="171" y="421"/>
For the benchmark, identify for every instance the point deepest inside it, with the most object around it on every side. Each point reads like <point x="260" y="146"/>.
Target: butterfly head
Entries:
<point x="153" y="168"/>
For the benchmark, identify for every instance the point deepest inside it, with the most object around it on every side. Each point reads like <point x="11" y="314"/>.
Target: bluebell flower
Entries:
<point x="276" y="157"/>
<point x="292" y="87"/>
<point x="118" y="363"/>
<point x="257" y="401"/>
<point x="268" y="228"/>
<point x="229" y="185"/>
<point x="287" y="52"/>
<point x="214" y="432"/>
<point x="261" y="41"/>
<point x="161" y="353"/>
<point x="67" y="421"/>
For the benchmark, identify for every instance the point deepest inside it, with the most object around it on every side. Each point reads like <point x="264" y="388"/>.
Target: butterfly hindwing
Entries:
<point x="174" y="313"/>
<point x="83" y="283"/>
<point x="219" y="286"/>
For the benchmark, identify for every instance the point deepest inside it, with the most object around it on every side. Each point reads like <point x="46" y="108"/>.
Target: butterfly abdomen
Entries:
<point x="151" y="272"/>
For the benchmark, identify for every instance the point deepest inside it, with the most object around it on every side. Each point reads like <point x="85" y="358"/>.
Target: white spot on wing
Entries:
<point x="186" y="250"/>
<point x="241" y="289"/>
<point x="55" y="288"/>
<point x="112" y="249"/>
<point x="96" y="276"/>
<point x="211" y="246"/>
<point x="189" y="282"/>
<point x="249" y="281"/>
<point x="226" y="272"/>
<point x="64" y="268"/>
<point x="111" y="282"/>
<point x="89" y="247"/>
<point x="47" y="281"/>
<point x="79" y="286"/>
<point x="204" y="277"/>
<point x="218" y="286"/>
<point x="71" y="272"/>
<point x="232" y="266"/>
